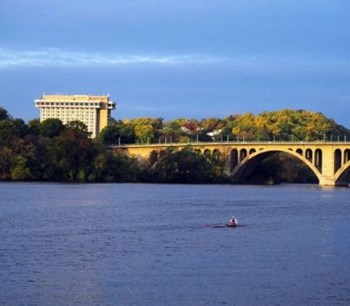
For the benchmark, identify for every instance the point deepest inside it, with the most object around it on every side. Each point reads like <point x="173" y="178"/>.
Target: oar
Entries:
<point x="215" y="225"/>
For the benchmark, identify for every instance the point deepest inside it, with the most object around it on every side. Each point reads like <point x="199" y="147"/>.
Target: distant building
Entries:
<point x="94" y="111"/>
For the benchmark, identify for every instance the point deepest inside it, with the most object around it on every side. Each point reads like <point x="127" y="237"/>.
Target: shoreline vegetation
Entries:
<point x="50" y="151"/>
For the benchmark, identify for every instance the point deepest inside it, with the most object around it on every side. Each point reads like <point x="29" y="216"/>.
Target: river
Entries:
<point x="144" y="244"/>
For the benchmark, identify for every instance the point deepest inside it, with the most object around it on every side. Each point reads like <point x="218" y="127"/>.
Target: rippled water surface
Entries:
<point x="139" y="244"/>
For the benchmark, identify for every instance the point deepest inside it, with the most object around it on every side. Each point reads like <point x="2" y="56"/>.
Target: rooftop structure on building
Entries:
<point x="94" y="111"/>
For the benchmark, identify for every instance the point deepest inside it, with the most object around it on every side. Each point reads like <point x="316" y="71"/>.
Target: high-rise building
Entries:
<point x="94" y="111"/>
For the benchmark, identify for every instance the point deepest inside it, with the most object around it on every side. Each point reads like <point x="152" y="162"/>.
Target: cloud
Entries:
<point x="240" y="64"/>
<point x="61" y="58"/>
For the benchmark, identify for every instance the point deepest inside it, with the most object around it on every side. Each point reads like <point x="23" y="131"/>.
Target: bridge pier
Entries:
<point x="327" y="181"/>
<point x="327" y="177"/>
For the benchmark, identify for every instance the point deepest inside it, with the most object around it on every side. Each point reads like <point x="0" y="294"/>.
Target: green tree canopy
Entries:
<point x="12" y="128"/>
<point x="51" y="127"/>
<point x="183" y="166"/>
<point x="78" y="127"/>
<point x="4" y="114"/>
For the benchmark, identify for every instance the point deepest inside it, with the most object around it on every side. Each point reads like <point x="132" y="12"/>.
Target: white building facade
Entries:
<point x="94" y="111"/>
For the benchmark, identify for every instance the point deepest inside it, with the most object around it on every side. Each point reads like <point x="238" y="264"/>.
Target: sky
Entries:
<point x="178" y="58"/>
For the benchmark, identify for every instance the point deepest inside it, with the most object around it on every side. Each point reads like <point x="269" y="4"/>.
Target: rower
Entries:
<point x="233" y="221"/>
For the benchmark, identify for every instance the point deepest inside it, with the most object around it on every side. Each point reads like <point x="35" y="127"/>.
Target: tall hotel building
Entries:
<point x="94" y="111"/>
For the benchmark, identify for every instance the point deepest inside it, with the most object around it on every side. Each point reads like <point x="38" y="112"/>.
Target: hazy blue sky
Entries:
<point x="178" y="58"/>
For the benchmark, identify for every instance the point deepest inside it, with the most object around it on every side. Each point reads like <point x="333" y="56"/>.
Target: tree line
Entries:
<point x="53" y="151"/>
<point x="283" y="125"/>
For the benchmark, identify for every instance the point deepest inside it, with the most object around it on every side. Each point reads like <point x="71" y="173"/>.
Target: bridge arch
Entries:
<point x="252" y="151"/>
<point x="216" y="154"/>
<point x="308" y="154"/>
<point x="346" y="155"/>
<point x="153" y="157"/>
<point x="243" y="154"/>
<point x="337" y="160"/>
<point x="233" y="159"/>
<point x="207" y="153"/>
<point x="248" y="164"/>
<point x="318" y="159"/>
<point x="342" y="176"/>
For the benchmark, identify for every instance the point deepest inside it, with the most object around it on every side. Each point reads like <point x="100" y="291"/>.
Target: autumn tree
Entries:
<point x="144" y="133"/>
<point x="245" y="127"/>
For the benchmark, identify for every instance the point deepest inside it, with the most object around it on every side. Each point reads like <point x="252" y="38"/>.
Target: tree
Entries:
<point x="20" y="172"/>
<point x="34" y="126"/>
<point x="12" y="128"/>
<point x="4" y="114"/>
<point x="6" y="161"/>
<point x="71" y="155"/>
<point x="79" y="127"/>
<point x="184" y="166"/>
<point x="51" y="127"/>
<point x="146" y="129"/>
<point x="127" y="133"/>
<point x="171" y="130"/>
<point x="116" y="167"/>
<point x="245" y="127"/>
<point x="144" y="133"/>
<point x="113" y="133"/>
<point x="261" y="130"/>
<point x="211" y="124"/>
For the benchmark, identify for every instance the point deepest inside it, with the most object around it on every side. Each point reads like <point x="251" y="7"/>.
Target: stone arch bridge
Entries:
<point x="329" y="161"/>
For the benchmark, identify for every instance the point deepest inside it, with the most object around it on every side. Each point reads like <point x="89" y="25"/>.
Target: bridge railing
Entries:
<point x="232" y="142"/>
